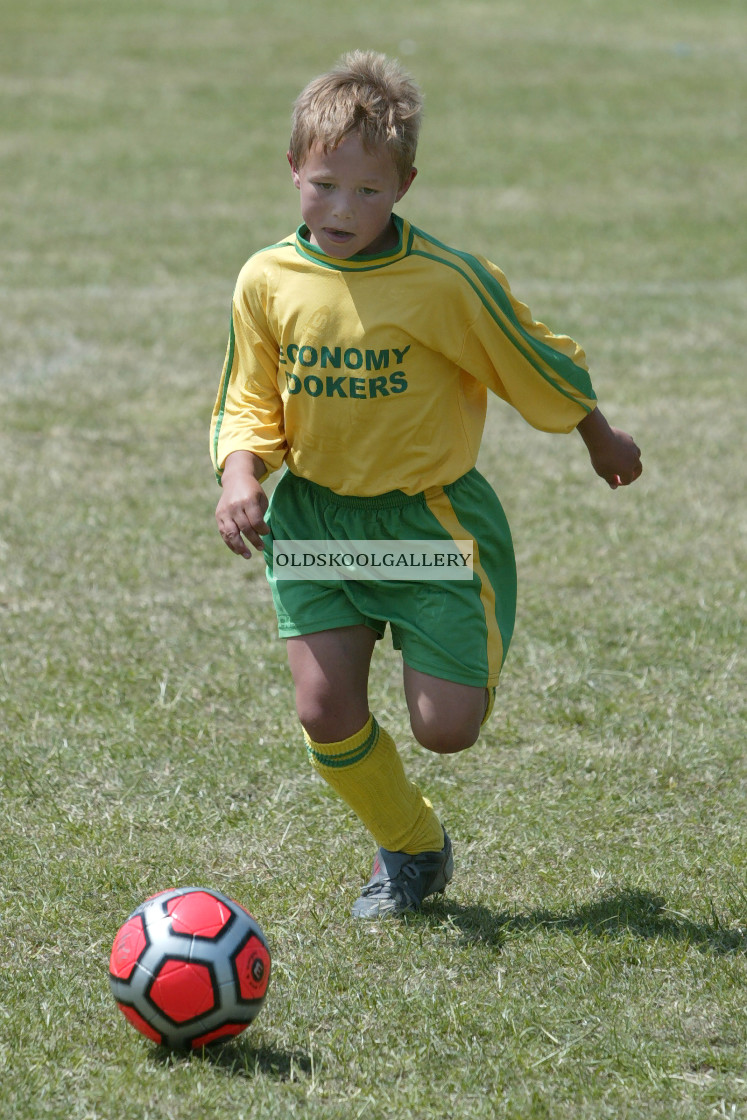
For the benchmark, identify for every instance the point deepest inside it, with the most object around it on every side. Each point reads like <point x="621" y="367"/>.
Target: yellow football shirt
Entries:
<point x="371" y="374"/>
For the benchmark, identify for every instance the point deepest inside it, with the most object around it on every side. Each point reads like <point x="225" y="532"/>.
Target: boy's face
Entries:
<point x="347" y="197"/>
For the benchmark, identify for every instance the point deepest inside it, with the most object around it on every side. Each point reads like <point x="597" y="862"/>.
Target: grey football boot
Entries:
<point x="399" y="882"/>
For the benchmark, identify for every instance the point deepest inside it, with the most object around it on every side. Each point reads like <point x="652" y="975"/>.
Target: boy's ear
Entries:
<point x="294" y="171"/>
<point x="407" y="184"/>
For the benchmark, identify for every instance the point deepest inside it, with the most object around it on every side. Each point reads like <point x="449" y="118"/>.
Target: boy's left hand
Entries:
<point x="614" y="454"/>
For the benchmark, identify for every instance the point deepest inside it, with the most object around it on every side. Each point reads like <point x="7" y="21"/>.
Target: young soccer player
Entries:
<point x="360" y="355"/>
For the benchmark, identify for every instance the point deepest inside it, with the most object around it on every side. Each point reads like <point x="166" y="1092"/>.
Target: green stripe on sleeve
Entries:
<point x="476" y="275"/>
<point x="222" y="397"/>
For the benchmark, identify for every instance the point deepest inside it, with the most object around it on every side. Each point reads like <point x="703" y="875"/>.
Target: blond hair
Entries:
<point x="365" y="93"/>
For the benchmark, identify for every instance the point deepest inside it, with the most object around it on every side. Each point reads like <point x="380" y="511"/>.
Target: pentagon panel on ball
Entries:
<point x="189" y="967"/>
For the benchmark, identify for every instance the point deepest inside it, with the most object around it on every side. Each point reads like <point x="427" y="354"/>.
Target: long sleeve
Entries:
<point x="248" y="412"/>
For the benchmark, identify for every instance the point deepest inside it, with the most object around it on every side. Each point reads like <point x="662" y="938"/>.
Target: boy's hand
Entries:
<point x="243" y="503"/>
<point x="614" y="454"/>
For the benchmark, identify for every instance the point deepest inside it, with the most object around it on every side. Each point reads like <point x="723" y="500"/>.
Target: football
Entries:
<point x="189" y="967"/>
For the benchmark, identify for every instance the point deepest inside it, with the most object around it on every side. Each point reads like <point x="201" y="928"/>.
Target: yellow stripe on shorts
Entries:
<point x="440" y="506"/>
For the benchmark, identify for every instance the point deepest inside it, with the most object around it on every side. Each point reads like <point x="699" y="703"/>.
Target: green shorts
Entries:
<point x="456" y="630"/>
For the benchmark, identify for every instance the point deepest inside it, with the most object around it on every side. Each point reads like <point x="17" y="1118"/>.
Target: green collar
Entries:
<point x="359" y="262"/>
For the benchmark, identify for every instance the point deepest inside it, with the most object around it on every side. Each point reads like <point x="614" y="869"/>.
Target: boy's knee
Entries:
<point x="445" y="738"/>
<point x="330" y="718"/>
<point x="320" y="721"/>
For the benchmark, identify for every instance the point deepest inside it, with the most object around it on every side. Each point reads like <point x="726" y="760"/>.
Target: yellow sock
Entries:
<point x="367" y="772"/>
<point x="490" y="704"/>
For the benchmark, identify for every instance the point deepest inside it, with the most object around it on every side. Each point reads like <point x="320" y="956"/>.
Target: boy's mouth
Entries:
<point x="338" y="235"/>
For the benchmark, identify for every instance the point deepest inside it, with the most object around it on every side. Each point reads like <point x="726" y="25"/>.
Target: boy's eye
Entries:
<point x="325" y="186"/>
<point x="368" y="190"/>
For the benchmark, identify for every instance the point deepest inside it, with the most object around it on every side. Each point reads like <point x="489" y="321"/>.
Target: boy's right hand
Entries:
<point x="243" y="503"/>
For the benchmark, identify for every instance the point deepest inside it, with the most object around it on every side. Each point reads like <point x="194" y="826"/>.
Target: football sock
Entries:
<point x="489" y="705"/>
<point x="367" y="772"/>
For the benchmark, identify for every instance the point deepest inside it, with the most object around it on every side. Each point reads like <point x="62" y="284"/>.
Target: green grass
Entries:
<point x="589" y="960"/>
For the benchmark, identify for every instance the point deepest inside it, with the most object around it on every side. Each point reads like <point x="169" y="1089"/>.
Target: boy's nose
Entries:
<point x="343" y="207"/>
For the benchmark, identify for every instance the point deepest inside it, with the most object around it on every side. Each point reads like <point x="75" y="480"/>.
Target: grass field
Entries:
<point x="589" y="960"/>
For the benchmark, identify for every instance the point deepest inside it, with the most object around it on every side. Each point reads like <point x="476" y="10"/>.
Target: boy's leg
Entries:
<point x="360" y="761"/>
<point x="330" y="673"/>
<point x="346" y="745"/>
<point x="445" y="716"/>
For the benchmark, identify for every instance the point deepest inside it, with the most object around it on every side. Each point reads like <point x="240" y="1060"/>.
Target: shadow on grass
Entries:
<point x="615" y="914"/>
<point x="242" y="1059"/>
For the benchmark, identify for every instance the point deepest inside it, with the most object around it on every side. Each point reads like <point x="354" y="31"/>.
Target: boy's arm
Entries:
<point x="243" y="503"/>
<point x="614" y="454"/>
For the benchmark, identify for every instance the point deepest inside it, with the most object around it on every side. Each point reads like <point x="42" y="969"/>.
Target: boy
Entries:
<point x="360" y="355"/>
